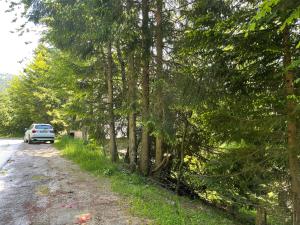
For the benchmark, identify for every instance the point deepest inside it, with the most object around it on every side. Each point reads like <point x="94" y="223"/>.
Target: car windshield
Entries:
<point x="43" y="127"/>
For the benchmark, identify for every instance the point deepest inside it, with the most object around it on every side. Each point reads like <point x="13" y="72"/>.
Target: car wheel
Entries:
<point x="51" y="142"/>
<point x="29" y="141"/>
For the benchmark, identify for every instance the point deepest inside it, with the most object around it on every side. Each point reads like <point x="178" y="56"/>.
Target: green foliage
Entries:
<point x="288" y="11"/>
<point x="231" y="83"/>
<point x="90" y="158"/>
<point x="52" y="89"/>
<point x="5" y="114"/>
<point x="223" y="87"/>
<point x="34" y="95"/>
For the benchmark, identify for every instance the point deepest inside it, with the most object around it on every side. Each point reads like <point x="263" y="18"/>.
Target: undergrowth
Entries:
<point x="145" y="199"/>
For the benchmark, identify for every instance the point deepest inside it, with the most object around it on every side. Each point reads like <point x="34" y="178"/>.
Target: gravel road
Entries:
<point x="38" y="187"/>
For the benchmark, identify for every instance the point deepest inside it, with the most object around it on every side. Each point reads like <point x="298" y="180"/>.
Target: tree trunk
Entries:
<point x="180" y="172"/>
<point x="124" y="93"/>
<point x="296" y="210"/>
<point x="160" y="106"/>
<point x="132" y="111"/>
<point x="84" y="131"/>
<point x="132" y="84"/>
<point x="292" y="148"/>
<point x="283" y="200"/>
<point x="123" y="72"/>
<point x="261" y="216"/>
<point x="112" y="135"/>
<point x="146" y="42"/>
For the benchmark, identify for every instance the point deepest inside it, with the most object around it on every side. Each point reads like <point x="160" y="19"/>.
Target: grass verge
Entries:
<point x="145" y="199"/>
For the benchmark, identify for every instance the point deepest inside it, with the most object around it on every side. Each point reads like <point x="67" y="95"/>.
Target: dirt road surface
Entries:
<point x="38" y="187"/>
<point x="7" y="148"/>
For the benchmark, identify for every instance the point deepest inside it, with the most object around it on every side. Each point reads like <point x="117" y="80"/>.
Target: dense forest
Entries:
<point x="206" y="93"/>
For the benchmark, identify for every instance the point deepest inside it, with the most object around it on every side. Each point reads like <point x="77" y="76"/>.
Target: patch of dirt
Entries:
<point x="41" y="188"/>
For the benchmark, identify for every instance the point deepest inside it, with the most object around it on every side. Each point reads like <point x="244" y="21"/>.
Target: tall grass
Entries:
<point x="145" y="199"/>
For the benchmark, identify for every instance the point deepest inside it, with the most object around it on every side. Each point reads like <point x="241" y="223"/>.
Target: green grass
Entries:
<point x="145" y="199"/>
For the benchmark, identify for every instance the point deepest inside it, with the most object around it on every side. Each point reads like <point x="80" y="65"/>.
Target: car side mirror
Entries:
<point x="25" y="129"/>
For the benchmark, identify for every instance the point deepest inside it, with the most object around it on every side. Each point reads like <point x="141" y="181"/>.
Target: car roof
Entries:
<point x="41" y="124"/>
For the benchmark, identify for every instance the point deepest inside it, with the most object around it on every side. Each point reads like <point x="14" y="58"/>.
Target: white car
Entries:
<point x="39" y="132"/>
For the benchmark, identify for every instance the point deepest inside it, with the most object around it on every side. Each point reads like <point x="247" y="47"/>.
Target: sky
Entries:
<point x="15" y="50"/>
